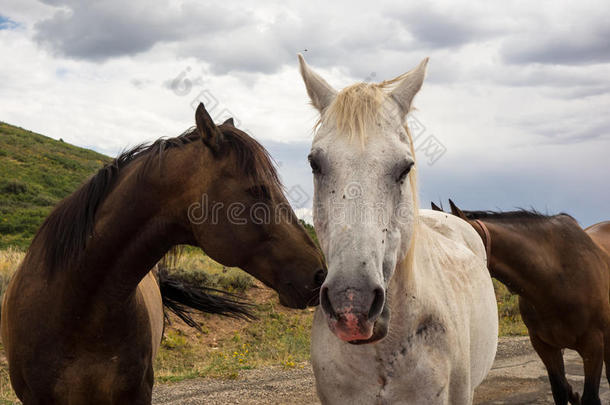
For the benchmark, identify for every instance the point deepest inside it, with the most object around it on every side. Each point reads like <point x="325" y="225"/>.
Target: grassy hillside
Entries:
<point x="35" y="173"/>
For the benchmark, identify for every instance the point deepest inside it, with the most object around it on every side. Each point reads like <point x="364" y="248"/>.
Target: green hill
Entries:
<point x="35" y="173"/>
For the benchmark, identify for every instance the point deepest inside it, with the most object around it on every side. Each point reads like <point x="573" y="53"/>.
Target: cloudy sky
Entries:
<point x="514" y="111"/>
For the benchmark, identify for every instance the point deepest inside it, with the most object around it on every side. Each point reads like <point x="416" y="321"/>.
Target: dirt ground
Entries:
<point x="518" y="377"/>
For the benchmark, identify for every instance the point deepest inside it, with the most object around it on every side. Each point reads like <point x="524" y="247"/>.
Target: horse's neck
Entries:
<point x="517" y="255"/>
<point x="417" y="281"/>
<point x="135" y="226"/>
<point x="405" y="292"/>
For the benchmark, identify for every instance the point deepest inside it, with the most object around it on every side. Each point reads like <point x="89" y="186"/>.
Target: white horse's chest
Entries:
<point x="442" y="336"/>
<point x="404" y="368"/>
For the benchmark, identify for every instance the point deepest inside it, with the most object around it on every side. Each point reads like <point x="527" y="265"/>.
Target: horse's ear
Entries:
<point x="435" y="207"/>
<point x="229" y="121"/>
<point x="408" y="87"/>
<point x="456" y="211"/>
<point x="209" y="132"/>
<point x="320" y="93"/>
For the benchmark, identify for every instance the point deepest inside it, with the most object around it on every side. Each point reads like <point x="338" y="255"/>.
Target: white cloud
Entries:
<point x="306" y="214"/>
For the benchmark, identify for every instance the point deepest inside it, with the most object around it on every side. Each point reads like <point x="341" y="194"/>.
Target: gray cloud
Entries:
<point x="431" y="27"/>
<point x="561" y="129"/>
<point x="94" y="30"/>
<point x="563" y="81"/>
<point x="140" y="83"/>
<point x="233" y="39"/>
<point x="583" y="91"/>
<point x="384" y="40"/>
<point x="327" y="41"/>
<point x="582" y="44"/>
<point x="85" y="32"/>
<point x="558" y="134"/>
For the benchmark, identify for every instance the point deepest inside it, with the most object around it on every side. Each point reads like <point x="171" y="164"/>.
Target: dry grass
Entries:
<point x="279" y="337"/>
<point x="7" y="395"/>
<point x="9" y="261"/>
<point x="511" y="323"/>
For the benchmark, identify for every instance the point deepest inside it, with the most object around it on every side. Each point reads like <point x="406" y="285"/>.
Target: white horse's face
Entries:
<point x="363" y="214"/>
<point x="363" y="210"/>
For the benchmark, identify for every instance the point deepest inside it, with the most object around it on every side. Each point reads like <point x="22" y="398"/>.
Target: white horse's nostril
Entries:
<point x="325" y="303"/>
<point x="377" y="306"/>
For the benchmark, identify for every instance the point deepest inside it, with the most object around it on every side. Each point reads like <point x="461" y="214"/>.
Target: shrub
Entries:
<point x="13" y="187"/>
<point x="194" y="267"/>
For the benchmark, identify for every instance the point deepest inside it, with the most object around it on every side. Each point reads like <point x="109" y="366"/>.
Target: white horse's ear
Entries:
<point x="320" y="92"/>
<point x="408" y="87"/>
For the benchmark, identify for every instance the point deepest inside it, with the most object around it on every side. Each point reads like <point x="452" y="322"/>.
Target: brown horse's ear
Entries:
<point x="456" y="211"/>
<point x="229" y="121"/>
<point x="210" y="134"/>
<point x="435" y="207"/>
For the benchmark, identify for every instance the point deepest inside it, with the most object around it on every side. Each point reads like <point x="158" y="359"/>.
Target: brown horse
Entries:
<point x="82" y="317"/>
<point x="562" y="279"/>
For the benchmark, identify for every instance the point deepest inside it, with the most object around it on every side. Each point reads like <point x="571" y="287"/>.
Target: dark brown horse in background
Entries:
<point x="562" y="279"/>
<point x="82" y="317"/>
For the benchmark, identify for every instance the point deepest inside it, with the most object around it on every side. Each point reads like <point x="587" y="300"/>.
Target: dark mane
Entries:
<point x="252" y="158"/>
<point x="65" y="231"/>
<point x="511" y="216"/>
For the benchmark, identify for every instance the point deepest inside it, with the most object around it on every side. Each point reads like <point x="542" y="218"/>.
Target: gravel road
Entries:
<point x="518" y="377"/>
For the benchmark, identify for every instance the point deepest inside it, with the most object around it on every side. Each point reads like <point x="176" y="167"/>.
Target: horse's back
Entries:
<point x="454" y="241"/>
<point x="600" y="233"/>
<point x="454" y="229"/>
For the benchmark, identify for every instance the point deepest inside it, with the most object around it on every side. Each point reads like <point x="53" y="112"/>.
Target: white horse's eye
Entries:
<point x="315" y="167"/>
<point x="404" y="171"/>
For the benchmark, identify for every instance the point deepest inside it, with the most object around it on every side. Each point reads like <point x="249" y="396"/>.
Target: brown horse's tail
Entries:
<point x="184" y="299"/>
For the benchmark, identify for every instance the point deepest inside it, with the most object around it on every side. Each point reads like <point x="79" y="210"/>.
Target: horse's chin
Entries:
<point x="380" y="329"/>
<point x="292" y="302"/>
<point x="371" y="334"/>
<point x="314" y="301"/>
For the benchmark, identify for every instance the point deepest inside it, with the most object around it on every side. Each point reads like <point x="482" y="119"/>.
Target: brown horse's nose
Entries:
<point x="319" y="278"/>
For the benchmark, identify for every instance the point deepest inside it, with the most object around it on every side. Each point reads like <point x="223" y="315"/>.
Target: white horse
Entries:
<point x="425" y="268"/>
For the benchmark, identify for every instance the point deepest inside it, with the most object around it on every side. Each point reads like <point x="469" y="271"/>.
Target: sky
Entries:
<point x="514" y="112"/>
